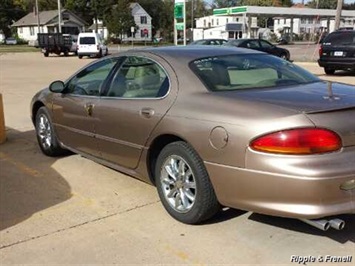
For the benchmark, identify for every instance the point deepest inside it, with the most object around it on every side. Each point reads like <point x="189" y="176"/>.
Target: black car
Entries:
<point x="337" y="51"/>
<point x="260" y="45"/>
<point x="209" y="42"/>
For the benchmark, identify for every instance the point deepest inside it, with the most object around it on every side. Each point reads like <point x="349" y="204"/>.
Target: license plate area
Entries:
<point x="338" y="53"/>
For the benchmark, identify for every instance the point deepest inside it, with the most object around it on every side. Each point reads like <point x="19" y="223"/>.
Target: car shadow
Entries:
<point x="341" y="236"/>
<point x="28" y="182"/>
<point x="339" y="74"/>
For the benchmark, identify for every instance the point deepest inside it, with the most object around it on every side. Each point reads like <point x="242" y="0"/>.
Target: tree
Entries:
<point x="225" y="3"/>
<point x="9" y="13"/>
<point x="324" y="4"/>
<point x="155" y="8"/>
<point x="119" y="19"/>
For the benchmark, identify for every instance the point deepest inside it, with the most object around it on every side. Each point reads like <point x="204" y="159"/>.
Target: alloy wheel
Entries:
<point x="178" y="184"/>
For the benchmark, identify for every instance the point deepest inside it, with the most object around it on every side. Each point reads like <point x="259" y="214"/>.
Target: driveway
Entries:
<point x="71" y="210"/>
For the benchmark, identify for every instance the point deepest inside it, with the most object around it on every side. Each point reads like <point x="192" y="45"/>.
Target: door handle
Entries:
<point x="147" y="112"/>
<point x="89" y="107"/>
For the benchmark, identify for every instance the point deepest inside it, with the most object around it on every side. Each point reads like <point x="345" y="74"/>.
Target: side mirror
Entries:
<point x="57" y="86"/>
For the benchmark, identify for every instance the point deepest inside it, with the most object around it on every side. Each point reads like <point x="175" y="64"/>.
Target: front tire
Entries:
<point x="183" y="184"/>
<point x="329" y="71"/>
<point x="47" y="140"/>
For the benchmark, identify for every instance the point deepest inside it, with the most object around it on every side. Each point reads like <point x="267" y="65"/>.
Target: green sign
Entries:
<point x="179" y="10"/>
<point x="179" y="26"/>
<point x="221" y="11"/>
<point x="236" y="10"/>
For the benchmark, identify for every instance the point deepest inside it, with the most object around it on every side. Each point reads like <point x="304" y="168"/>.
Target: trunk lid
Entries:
<point x="326" y="104"/>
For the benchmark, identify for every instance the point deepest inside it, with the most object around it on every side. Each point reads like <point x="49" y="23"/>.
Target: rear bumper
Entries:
<point x="337" y="64"/>
<point x="88" y="53"/>
<point x="283" y="194"/>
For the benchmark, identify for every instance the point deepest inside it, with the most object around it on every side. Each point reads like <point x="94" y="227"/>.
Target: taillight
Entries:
<point x="298" y="141"/>
<point x="320" y="51"/>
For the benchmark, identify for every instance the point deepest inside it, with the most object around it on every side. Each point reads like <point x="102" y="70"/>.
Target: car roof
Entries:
<point x="193" y="52"/>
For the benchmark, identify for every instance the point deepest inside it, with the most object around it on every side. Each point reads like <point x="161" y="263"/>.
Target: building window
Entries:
<point x="20" y="29"/>
<point x="226" y="21"/>
<point x="217" y="21"/>
<point x="284" y="21"/>
<point x="204" y="23"/>
<point x="237" y="19"/>
<point x="143" y="20"/>
<point x="32" y="31"/>
<point x="212" y="22"/>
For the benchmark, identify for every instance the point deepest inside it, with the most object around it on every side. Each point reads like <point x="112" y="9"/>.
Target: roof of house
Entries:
<point x="44" y="18"/>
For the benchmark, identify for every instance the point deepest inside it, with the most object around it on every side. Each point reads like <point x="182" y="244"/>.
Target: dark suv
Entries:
<point x="337" y="51"/>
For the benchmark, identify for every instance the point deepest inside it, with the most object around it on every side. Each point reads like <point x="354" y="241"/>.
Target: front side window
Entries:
<point x="248" y="71"/>
<point x="265" y="44"/>
<point x="89" y="81"/>
<point x="139" y="77"/>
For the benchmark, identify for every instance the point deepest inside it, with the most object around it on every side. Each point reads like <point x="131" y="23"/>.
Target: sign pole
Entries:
<point x="184" y="30"/>
<point x="175" y="32"/>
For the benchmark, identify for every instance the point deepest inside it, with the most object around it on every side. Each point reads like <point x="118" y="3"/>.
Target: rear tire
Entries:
<point x="99" y="54"/>
<point x="46" y="137"/>
<point x="329" y="71"/>
<point x="46" y="54"/>
<point x="183" y="184"/>
<point x="80" y="56"/>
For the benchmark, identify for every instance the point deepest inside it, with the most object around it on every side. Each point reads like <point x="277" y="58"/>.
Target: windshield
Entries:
<point x="248" y="71"/>
<point x="340" y="38"/>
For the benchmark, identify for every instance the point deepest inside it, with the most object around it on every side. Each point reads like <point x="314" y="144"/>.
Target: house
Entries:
<point x="27" y="27"/>
<point x="225" y="27"/>
<point x="142" y="20"/>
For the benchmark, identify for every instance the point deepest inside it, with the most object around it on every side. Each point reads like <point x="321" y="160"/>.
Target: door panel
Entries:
<point x="137" y="100"/>
<point x="73" y="110"/>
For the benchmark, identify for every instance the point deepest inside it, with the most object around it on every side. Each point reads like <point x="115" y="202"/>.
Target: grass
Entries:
<point x="17" y="49"/>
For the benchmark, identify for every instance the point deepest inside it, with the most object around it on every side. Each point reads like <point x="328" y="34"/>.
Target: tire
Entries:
<point x="46" y="54"/>
<point x="47" y="140"/>
<point x="99" y="54"/>
<point x="80" y="56"/>
<point x="192" y="192"/>
<point x="106" y="54"/>
<point x="329" y="71"/>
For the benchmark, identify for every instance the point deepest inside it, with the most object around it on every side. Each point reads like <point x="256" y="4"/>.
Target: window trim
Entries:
<point x="118" y="68"/>
<point x="104" y="84"/>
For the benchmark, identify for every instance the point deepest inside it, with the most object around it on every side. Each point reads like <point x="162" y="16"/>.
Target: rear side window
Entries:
<point x="340" y="38"/>
<point x="87" y="40"/>
<point x="249" y="71"/>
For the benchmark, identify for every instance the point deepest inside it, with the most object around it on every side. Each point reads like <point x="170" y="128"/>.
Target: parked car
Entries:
<point x="209" y="128"/>
<point x="337" y="51"/>
<point x="260" y="45"/>
<point x="209" y="42"/>
<point x="11" y="41"/>
<point x="91" y="44"/>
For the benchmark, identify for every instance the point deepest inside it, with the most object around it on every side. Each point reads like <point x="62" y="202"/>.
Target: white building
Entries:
<point x="310" y="25"/>
<point x="27" y="27"/>
<point x="224" y="27"/>
<point x="142" y="20"/>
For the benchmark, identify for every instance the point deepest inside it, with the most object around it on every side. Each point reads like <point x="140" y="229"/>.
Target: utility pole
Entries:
<point x="59" y="18"/>
<point x="192" y="14"/>
<point x="37" y="13"/>
<point x="338" y="14"/>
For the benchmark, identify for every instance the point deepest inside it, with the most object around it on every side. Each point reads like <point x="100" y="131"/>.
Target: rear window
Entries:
<point x="248" y="71"/>
<point x="340" y="38"/>
<point x="87" y="40"/>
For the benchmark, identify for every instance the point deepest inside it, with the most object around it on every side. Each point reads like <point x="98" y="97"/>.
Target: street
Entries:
<point x="70" y="210"/>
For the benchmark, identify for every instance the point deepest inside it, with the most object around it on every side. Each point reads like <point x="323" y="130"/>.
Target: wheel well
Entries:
<point x="158" y="144"/>
<point x="35" y="108"/>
